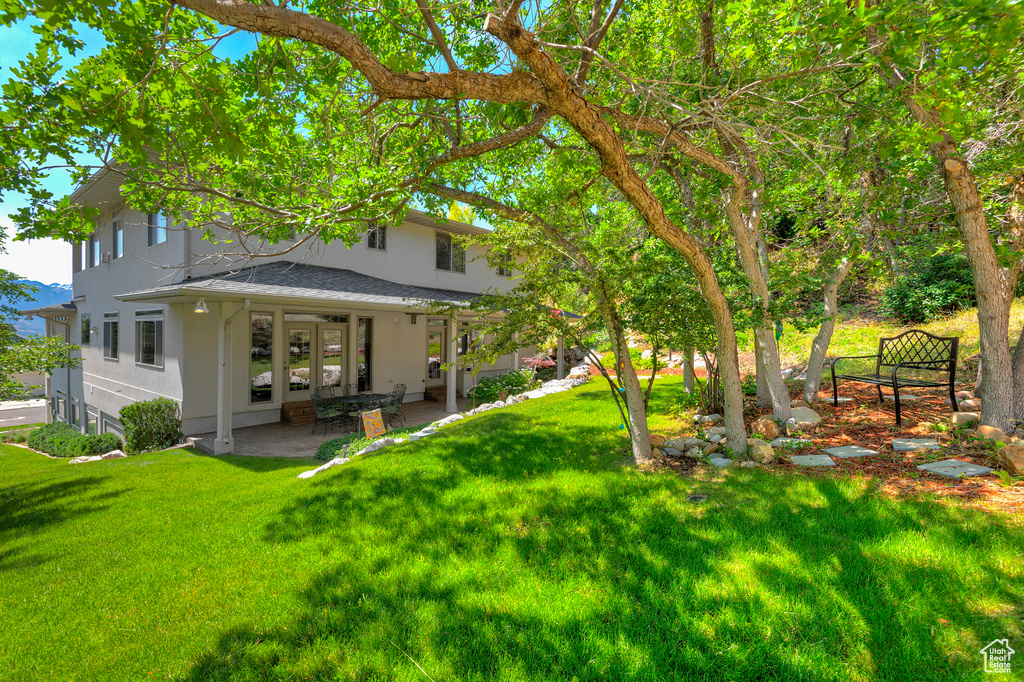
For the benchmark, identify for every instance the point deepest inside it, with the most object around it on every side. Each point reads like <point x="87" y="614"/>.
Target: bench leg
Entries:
<point x="952" y="397"/>
<point x="881" y="399"/>
<point x="835" y="387"/>
<point x="895" y="399"/>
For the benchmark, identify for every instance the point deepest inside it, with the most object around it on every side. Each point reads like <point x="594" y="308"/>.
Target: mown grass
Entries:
<point x="512" y="546"/>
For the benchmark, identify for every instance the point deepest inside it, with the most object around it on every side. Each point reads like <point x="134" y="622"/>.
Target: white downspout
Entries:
<point x="453" y="351"/>
<point x="561" y="357"/>
<point x="222" y="445"/>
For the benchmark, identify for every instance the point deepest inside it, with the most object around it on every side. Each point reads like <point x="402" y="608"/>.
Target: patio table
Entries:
<point x="359" y="400"/>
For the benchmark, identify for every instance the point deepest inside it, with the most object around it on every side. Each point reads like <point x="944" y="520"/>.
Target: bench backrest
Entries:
<point x="919" y="346"/>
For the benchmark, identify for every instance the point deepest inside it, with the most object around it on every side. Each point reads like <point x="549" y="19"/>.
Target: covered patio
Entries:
<point x="282" y="439"/>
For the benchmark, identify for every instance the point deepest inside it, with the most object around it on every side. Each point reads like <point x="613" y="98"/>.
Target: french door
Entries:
<point x="316" y="357"/>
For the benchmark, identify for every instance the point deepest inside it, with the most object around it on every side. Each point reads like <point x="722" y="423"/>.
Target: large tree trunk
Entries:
<point x="819" y="347"/>
<point x="765" y="347"/>
<point x="993" y="311"/>
<point x="1016" y="221"/>
<point x="639" y="435"/>
<point x="688" y="373"/>
<point x="1018" y="380"/>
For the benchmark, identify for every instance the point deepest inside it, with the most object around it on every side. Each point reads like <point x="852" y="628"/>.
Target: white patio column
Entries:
<point x="561" y="357"/>
<point x="353" y="349"/>
<point x="453" y="340"/>
<point x="223" y="444"/>
<point x="515" y="354"/>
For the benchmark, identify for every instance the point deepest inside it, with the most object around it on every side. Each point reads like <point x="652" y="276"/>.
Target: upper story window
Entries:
<point x="157" y="228"/>
<point x="504" y="265"/>
<point x="377" y="237"/>
<point x="110" y="321"/>
<point x="92" y="250"/>
<point x="149" y="338"/>
<point x="449" y="255"/>
<point x="118" y="250"/>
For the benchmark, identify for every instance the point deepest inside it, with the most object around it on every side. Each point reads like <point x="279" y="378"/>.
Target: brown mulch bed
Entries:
<point x="869" y="424"/>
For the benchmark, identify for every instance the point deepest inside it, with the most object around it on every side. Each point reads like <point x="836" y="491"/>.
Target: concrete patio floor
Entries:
<point x="295" y="440"/>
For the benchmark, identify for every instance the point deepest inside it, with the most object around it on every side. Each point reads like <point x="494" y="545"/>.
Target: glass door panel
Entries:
<point x="332" y="356"/>
<point x="299" y="358"/>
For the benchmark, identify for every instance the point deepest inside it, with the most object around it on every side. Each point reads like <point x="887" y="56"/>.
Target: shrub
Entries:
<point x="635" y="355"/>
<point x="938" y="286"/>
<point x="329" y="449"/>
<point x="61" y="440"/>
<point x="490" y="388"/>
<point x="150" y="425"/>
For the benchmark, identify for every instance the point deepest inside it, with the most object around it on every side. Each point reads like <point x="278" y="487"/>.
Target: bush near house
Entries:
<point x="150" y="425"/>
<point x="61" y="440"/>
<point x="489" y="389"/>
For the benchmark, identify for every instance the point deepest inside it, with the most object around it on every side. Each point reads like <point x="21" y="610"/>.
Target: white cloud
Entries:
<point x="43" y="260"/>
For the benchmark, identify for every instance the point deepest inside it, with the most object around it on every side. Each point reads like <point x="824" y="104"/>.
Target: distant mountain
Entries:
<point x="46" y="294"/>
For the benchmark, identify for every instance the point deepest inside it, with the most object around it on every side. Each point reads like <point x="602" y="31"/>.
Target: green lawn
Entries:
<point x="512" y="546"/>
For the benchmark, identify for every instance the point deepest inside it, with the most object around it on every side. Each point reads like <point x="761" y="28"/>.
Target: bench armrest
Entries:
<point x="852" y="357"/>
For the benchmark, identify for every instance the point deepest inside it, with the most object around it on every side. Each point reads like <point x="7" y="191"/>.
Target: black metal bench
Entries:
<point x="914" y="349"/>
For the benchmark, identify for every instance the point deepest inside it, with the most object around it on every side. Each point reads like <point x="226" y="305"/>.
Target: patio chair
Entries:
<point x="391" y="407"/>
<point x="347" y="389"/>
<point x="324" y="393"/>
<point x="325" y="414"/>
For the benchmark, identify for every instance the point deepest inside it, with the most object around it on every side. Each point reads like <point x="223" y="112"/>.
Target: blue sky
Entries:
<point x="49" y="260"/>
<point x="43" y="260"/>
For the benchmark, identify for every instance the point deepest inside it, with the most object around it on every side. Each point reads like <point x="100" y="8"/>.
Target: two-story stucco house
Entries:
<point x="156" y="316"/>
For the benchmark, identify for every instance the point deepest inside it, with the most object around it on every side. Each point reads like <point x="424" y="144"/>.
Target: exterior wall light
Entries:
<point x="201" y="306"/>
<point x="94" y="330"/>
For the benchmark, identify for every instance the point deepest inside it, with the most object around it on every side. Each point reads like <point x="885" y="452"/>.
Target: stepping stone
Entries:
<point x="844" y="400"/>
<point x="721" y="462"/>
<point x="422" y="434"/>
<point x="535" y="393"/>
<point x="954" y="468"/>
<point x="812" y="460"/>
<point x="792" y="443"/>
<point x="903" y="398"/>
<point x="848" y="451"/>
<point x="911" y="444"/>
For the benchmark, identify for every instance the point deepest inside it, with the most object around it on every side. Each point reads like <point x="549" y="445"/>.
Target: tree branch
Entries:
<point x="438" y="35"/>
<point x="272" y="20"/>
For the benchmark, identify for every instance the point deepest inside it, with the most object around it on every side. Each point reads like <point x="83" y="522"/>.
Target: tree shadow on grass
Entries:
<point x="519" y="553"/>
<point x="28" y="508"/>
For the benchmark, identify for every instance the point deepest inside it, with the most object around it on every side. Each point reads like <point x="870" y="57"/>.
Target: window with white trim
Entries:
<point x="118" y="227"/>
<point x="157" y="223"/>
<point x="448" y="254"/>
<point x="110" y="323"/>
<point x="377" y="237"/>
<point x="149" y="338"/>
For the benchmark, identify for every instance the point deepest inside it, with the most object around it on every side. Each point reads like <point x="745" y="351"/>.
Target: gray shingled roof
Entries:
<point x="298" y="280"/>
<point x="67" y="307"/>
